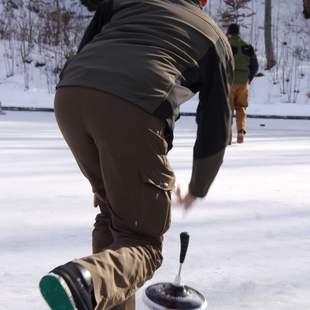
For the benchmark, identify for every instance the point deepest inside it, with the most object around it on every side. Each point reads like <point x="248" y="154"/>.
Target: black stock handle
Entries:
<point x="184" y="238"/>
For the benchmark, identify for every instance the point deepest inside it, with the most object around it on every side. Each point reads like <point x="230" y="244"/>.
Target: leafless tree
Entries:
<point x="306" y="8"/>
<point x="40" y="33"/>
<point x="270" y="59"/>
<point x="236" y="11"/>
<point x="26" y="42"/>
<point x="7" y="34"/>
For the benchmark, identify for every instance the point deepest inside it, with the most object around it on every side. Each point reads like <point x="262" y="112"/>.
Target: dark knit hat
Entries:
<point x="233" y="29"/>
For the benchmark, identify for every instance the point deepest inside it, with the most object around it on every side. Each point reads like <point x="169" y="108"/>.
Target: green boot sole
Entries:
<point x="56" y="293"/>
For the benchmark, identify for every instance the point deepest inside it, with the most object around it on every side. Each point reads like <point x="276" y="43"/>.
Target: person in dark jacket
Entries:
<point x="116" y="104"/>
<point x="246" y="66"/>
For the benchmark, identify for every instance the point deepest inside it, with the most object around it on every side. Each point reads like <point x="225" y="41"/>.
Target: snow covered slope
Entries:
<point x="250" y="244"/>
<point x="288" y="82"/>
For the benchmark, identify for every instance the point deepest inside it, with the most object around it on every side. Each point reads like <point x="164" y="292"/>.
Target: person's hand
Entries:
<point x="185" y="202"/>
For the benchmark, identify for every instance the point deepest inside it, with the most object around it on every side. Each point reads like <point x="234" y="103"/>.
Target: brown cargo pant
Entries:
<point x="239" y="102"/>
<point x="122" y="152"/>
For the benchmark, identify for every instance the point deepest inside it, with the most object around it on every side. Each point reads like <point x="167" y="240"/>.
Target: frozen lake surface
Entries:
<point x="250" y="238"/>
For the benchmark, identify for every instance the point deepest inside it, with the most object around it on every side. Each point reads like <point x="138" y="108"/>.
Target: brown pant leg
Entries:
<point x="118" y="271"/>
<point x="102" y="238"/>
<point x="240" y="105"/>
<point x="102" y="235"/>
<point x="241" y="119"/>
<point x="134" y="169"/>
<point x="232" y="96"/>
<point x="129" y="304"/>
<point x="78" y="138"/>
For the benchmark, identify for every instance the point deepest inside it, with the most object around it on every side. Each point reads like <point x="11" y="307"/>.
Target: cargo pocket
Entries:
<point x="155" y="202"/>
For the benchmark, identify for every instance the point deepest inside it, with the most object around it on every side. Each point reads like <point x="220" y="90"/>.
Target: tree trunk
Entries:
<point x="58" y="23"/>
<point x="307" y="8"/>
<point x="268" y="36"/>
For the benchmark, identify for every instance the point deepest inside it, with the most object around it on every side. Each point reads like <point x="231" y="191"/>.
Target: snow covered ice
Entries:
<point x="250" y="238"/>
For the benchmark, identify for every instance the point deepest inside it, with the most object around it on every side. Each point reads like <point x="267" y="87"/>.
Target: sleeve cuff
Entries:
<point x="204" y="172"/>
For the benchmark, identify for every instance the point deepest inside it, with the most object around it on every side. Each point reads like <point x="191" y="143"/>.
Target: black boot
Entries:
<point x="68" y="287"/>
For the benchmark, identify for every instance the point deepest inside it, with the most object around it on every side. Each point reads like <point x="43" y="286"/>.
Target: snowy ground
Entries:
<point x="250" y="238"/>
